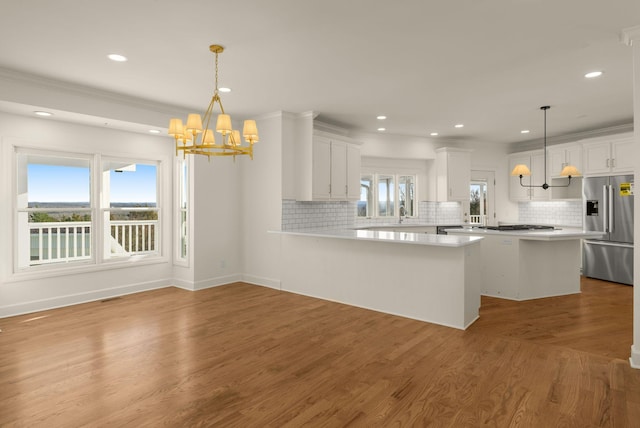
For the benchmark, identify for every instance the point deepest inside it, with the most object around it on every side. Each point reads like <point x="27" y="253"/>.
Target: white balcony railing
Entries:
<point x="478" y="219"/>
<point x="53" y="242"/>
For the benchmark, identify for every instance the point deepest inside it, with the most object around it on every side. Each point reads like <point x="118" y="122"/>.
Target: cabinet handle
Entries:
<point x="613" y="163"/>
<point x="329" y="188"/>
<point x="346" y="189"/>
<point x="608" y="163"/>
<point x="450" y="191"/>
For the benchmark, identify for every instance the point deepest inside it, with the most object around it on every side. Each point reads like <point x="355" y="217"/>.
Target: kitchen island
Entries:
<point x="431" y="278"/>
<point x="529" y="264"/>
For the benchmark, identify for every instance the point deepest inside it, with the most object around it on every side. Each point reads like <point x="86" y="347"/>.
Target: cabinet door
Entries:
<point x="573" y="156"/>
<point x="538" y="178"/>
<point x="458" y="176"/>
<point x="353" y="172"/>
<point x="557" y="160"/>
<point x="321" y="169"/>
<point x="338" y="170"/>
<point x="596" y="158"/>
<point x="517" y="192"/>
<point x="622" y="156"/>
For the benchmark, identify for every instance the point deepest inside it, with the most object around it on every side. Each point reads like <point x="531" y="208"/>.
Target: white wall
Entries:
<point x="261" y="201"/>
<point x="217" y="220"/>
<point x="30" y="292"/>
<point x="634" y="35"/>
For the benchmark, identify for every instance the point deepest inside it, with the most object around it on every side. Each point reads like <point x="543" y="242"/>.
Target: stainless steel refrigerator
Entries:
<point x="608" y="204"/>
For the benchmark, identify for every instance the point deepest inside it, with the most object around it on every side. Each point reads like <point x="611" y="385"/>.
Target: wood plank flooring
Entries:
<point x="247" y="356"/>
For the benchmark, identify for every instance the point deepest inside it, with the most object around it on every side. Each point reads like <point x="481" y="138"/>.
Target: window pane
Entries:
<point x="130" y="184"/>
<point x="474" y="200"/>
<point x="54" y="209"/>
<point x="131" y="223"/>
<point x="406" y="195"/>
<point x="53" y="182"/>
<point x="132" y="231"/>
<point x="366" y="196"/>
<point x="386" y="197"/>
<point x="182" y="209"/>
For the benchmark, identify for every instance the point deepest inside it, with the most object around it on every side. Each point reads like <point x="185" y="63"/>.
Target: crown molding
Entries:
<point x="42" y="82"/>
<point x="628" y="35"/>
<point x="572" y="138"/>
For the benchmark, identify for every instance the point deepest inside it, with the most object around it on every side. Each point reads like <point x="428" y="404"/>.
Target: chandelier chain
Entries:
<point x="216" y="91"/>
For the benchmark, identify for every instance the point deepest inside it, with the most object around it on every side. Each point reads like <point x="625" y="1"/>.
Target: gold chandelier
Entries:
<point x="195" y="139"/>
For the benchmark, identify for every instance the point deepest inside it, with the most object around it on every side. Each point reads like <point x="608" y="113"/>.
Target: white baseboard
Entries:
<point x="215" y="282"/>
<point x="634" y="360"/>
<point x="75" y="299"/>
<point x="260" y="280"/>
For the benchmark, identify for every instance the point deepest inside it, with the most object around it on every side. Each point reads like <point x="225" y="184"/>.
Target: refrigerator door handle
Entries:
<point x="610" y="209"/>
<point x="609" y="244"/>
<point x="605" y="209"/>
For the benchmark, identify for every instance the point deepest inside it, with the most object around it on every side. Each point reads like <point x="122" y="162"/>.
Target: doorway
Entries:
<point x="481" y="205"/>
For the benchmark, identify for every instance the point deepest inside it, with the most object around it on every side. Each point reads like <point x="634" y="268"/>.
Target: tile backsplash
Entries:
<point x="297" y="215"/>
<point x="559" y="213"/>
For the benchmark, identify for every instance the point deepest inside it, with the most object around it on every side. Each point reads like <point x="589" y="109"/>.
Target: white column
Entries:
<point x="631" y="37"/>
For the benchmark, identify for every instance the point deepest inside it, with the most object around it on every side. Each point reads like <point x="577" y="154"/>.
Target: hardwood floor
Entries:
<point x="247" y="356"/>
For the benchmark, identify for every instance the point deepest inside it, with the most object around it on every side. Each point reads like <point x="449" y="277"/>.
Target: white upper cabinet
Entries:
<point x="335" y="170"/>
<point x="535" y="162"/>
<point x="612" y="155"/>
<point x="563" y="155"/>
<point x="353" y="172"/>
<point x="453" y="174"/>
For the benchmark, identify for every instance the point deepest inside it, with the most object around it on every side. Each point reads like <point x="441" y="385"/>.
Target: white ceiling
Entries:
<point x="425" y="64"/>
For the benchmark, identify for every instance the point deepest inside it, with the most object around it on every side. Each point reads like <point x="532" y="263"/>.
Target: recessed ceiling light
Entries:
<point x="459" y="125"/>
<point x="381" y="117"/>
<point x="117" y="57"/>
<point x="593" y="74"/>
<point x="154" y="131"/>
<point x="434" y="134"/>
<point x="382" y="129"/>
<point x="524" y="131"/>
<point x="224" y="89"/>
<point x="43" y="113"/>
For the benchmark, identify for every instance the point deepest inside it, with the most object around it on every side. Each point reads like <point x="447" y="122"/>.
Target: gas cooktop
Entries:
<point x="517" y="227"/>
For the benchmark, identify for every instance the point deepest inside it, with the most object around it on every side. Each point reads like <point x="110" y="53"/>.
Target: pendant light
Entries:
<point x="568" y="171"/>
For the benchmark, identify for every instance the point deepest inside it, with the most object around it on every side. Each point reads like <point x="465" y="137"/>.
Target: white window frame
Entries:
<point x="375" y="213"/>
<point x="97" y="261"/>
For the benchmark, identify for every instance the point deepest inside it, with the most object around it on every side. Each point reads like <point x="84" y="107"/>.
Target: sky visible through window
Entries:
<point x="55" y="183"/>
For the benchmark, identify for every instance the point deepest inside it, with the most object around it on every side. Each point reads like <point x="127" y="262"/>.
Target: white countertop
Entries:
<point x="389" y="236"/>
<point x="538" y="235"/>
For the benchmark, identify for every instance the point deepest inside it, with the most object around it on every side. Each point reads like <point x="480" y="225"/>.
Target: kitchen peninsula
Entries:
<point x="522" y="263"/>
<point x="431" y="278"/>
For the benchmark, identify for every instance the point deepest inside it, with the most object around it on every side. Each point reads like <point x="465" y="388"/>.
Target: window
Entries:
<point x="54" y="213"/>
<point x="129" y="208"/>
<point x="366" y="204"/>
<point x="478" y="202"/>
<point x="406" y="195"/>
<point x="183" y="213"/>
<point x="387" y="195"/>
<point x="59" y="217"/>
